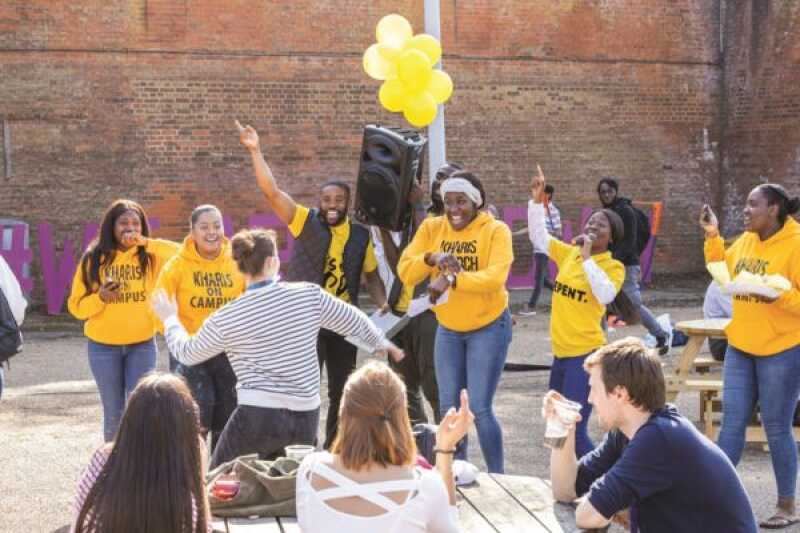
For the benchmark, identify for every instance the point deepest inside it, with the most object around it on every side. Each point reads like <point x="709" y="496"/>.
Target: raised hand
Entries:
<point x="163" y="306"/>
<point x="454" y="425"/>
<point x="537" y="187"/>
<point x="708" y="220"/>
<point x="248" y="136"/>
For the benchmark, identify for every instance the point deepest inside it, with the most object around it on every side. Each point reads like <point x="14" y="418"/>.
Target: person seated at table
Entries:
<point x="270" y="336"/>
<point x="652" y="461"/>
<point x="150" y="478"/>
<point x="368" y="481"/>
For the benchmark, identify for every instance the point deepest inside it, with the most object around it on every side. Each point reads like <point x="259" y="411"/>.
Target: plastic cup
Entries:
<point x="298" y="451"/>
<point x="558" y="424"/>
<point x="225" y="488"/>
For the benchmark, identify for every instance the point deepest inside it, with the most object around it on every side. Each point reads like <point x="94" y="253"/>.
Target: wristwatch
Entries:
<point x="451" y="278"/>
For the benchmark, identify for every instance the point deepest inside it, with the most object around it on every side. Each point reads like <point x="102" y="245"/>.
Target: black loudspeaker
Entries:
<point x="391" y="159"/>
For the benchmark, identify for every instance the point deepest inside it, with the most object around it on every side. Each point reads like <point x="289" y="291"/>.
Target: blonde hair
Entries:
<point x="373" y="420"/>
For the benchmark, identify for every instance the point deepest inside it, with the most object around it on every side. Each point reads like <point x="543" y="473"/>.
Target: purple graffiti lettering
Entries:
<point x="511" y="214"/>
<point x="56" y="278"/>
<point x="17" y="256"/>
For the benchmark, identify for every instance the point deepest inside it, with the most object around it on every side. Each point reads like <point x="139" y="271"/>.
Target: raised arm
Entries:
<point x="281" y="203"/>
<point x="714" y="245"/>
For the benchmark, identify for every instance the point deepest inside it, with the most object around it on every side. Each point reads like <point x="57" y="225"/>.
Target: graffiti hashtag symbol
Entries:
<point x="17" y="255"/>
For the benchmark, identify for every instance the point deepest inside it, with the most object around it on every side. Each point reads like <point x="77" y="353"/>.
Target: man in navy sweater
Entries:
<point x="653" y="462"/>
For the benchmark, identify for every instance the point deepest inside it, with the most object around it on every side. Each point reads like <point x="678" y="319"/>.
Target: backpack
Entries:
<point x="643" y="231"/>
<point x="10" y="335"/>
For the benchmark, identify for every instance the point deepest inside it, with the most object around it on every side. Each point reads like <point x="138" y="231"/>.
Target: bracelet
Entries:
<point x="448" y="452"/>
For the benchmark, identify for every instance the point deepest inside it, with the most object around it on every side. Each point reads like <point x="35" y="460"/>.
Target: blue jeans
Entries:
<point x="632" y="290"/>
<point x="541" y="264"/>
<point x="474" y="360"/>
<point x="568" y="377"/>
<point x="116" y="370"/>
<point x="774" y="382"/>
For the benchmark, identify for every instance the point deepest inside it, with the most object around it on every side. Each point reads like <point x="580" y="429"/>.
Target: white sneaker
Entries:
<point x="526" y="311"/>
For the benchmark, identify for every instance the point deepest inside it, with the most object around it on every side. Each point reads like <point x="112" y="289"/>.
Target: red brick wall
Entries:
<point x="762" y="102"/>
<point x="138" y="98"/>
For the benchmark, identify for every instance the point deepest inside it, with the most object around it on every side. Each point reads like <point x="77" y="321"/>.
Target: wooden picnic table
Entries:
<point x="697" y="331"/>
<point x="494" y="503"/>
<point x="709" y="389"/>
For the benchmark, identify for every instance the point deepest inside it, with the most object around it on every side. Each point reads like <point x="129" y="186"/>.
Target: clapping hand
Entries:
<point x="163" y="305"/>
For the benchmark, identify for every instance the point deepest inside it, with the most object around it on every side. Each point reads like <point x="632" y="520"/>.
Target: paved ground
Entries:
<point x="50" y="420"/>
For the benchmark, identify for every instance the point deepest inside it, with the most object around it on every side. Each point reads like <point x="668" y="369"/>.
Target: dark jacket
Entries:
<point x="311" y="249"/>
<point x="626" y="251"/>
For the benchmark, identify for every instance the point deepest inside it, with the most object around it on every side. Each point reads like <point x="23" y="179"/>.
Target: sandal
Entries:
<point x="779" y="521"/>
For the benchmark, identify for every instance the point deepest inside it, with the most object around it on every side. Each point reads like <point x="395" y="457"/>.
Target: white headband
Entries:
<point x="463" y="186"/>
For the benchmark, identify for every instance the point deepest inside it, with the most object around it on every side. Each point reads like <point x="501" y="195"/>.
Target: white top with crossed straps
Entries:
<point x="426" y="509"/>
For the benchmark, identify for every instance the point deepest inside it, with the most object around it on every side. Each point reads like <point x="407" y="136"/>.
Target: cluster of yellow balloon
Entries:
<point x="404" y="62"/>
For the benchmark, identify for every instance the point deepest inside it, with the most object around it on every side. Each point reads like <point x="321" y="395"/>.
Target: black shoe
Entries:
<point x="662" y="346"/>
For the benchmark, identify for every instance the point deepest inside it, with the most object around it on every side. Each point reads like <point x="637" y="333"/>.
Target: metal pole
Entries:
<point x="436" y="140"/>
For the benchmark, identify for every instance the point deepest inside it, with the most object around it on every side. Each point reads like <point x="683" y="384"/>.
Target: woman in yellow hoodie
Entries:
<point x="203" y="277"/>
<point x="468" y="252"/>
<point x="111" y="291"/>
<point x="589" y="279"/>
<point x="762" y="362"/>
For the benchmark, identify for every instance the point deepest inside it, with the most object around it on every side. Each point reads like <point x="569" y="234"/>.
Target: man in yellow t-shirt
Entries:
<point x="329" y="251"/>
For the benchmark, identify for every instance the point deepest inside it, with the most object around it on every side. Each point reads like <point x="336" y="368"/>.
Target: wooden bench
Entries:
<point x="711" y="406"/>
<point x="494" y="503"/>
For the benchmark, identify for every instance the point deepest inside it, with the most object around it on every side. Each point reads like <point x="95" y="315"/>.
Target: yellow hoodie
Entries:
<point x="201" y="286"/>
<point x="128" y="319"/>
<point x="484" y="250"/>
<point x="759" y="327"/>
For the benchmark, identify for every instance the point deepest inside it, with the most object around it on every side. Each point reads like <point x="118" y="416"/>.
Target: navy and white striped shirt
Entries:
<point x="270" y="336"/>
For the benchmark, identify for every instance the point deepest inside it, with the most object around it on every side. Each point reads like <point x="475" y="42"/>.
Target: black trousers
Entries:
<point x="213" y="386"/>
<point x="265" y="431"/>
<point x="417" y="368"/>
<point x="339" y="358"/>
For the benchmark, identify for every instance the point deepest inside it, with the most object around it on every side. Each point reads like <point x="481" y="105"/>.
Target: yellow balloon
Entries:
<point x="394" y="31"/>
<point x="377" y="66"/>
<point x="392" y="95"/>
<point x="389" y="52"/>
<point x="440" y="86"/>
<point x="428" y="45"/>
<point x="420" y="109"/>
<point x="414" y="69"/>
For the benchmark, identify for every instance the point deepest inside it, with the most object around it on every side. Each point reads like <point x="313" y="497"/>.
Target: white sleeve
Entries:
<point x="537" y="230"/>
<point x="443" y="516"/>
<point x="602" y="287"/>
<point x="12" y="291"/>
